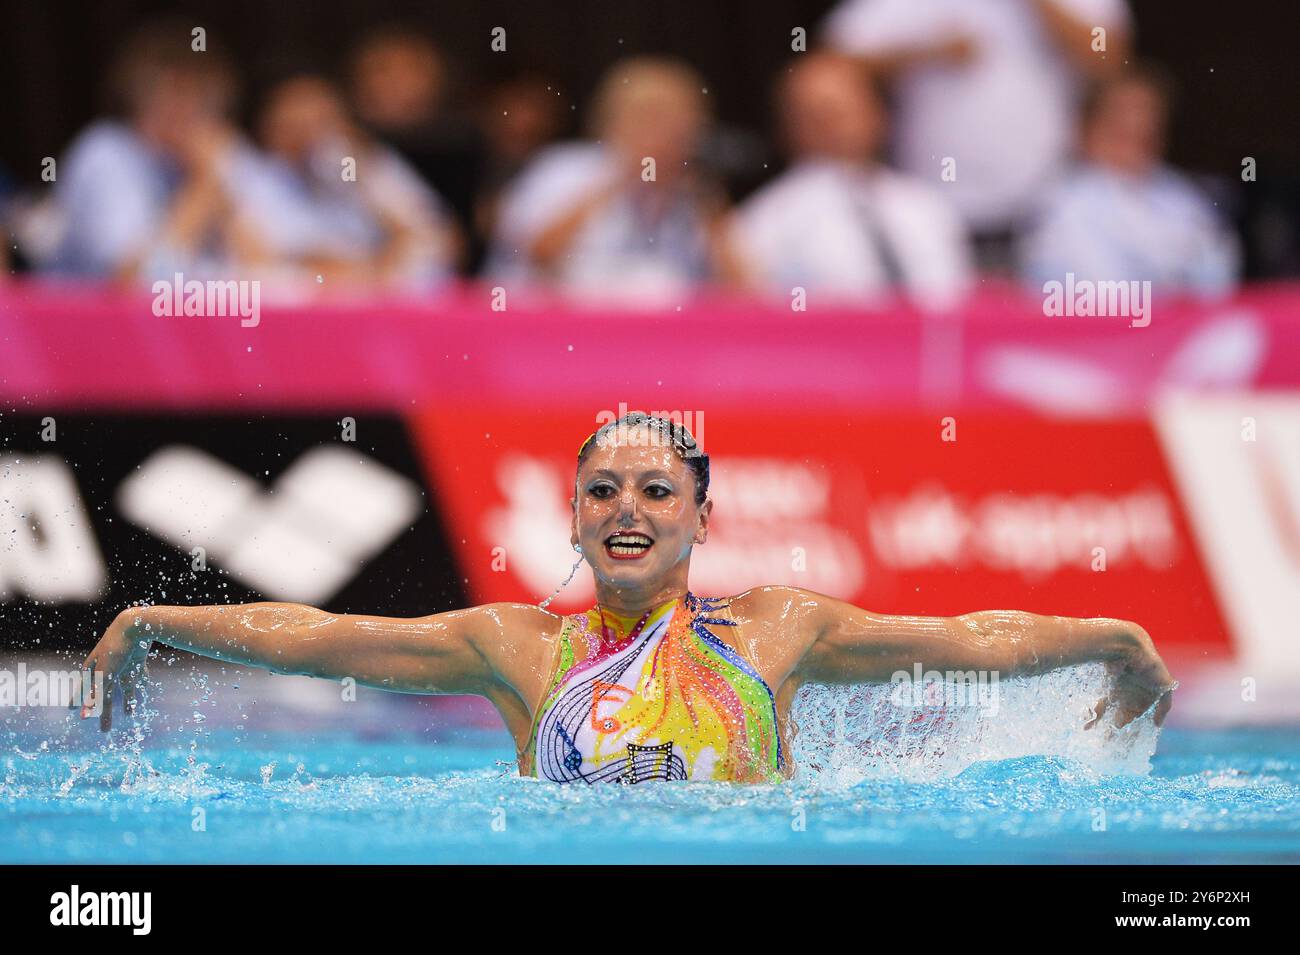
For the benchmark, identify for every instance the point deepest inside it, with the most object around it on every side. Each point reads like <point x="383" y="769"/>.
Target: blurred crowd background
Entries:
<point x="854" y="149"/>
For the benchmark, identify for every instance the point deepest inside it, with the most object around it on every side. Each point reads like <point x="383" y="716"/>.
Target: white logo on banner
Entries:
<point x="772" y="507"/>
<point x="1032" y="534"/>
<point x="47" y="544"/>
<point x="1244" y="501"/>
<point x="1224" y="351"/>
<point x="535" y="524"/>
<point x="299" y="540"/>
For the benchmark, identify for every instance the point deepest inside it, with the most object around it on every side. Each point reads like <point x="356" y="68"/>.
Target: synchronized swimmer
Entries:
<point x="653" y="682"/>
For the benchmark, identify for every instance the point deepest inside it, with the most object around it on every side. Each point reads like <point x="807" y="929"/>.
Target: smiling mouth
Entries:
<point x="627" y="546"/>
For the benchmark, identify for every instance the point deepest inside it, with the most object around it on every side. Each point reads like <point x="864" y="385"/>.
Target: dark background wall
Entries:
<point x="1236" y="63"/>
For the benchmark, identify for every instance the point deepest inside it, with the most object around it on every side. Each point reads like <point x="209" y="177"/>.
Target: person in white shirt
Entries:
<point x="628" y="215"/>
<point x="986" y="90"/>
<point x="837" y="223"/>
<point x="173" y="187"/>
<point x="338" y="204"/>
<point x="139" y="197"/>
<point x="1124" y="215"/>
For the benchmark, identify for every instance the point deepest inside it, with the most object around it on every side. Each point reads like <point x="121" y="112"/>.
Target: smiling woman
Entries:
<point x="653" y="682"/>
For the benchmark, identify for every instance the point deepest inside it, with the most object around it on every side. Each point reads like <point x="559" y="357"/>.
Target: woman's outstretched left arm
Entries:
<point x="846" y="644"/>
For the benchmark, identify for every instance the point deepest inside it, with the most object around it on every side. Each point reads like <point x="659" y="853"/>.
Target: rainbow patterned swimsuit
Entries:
<point x="667" y="701"/>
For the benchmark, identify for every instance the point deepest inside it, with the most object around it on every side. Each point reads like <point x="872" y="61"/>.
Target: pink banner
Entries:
<point x="90" y="347"/>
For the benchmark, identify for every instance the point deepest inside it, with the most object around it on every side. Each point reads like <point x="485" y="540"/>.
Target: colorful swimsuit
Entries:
<point x="658" y="698"/>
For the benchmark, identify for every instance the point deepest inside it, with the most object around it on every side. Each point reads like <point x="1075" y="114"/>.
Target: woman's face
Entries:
<point x="634" y="510"/>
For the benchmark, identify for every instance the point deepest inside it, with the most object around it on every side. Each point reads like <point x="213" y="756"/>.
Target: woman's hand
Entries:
<point x="1140" y="679"/>
<point x="119" y="659"/>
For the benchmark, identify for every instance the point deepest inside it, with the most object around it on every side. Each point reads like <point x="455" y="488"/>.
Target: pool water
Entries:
<point x="227" y="795"/>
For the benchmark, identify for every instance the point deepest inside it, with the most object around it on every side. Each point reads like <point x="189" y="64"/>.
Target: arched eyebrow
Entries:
<point x="656" y="472"/>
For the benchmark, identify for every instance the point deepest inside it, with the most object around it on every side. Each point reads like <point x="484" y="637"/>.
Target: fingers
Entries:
<point x="105" y="682"/>
<point x="131" y="683"/>
<point x="1154" y="673"/>
<point x="88" y="697"/>
<point x="1164" y="706"/>
<point x="75" y="692"/>
<point x="1127" y="714"/>
<point x="128" y="691"/>
<point x="106" y="713"/>
<point x="1095" y="713"/>
<point x="1135" y="697"/>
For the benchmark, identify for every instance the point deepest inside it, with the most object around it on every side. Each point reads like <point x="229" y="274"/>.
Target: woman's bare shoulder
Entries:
<point x="778" y="624"/>
<point x="773" y="600"/>
<point x="518" y="640"/>
<point x="508" y="622"/>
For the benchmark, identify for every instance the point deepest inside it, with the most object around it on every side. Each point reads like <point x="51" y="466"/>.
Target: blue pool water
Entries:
<point x="1211" y="797"/>
<point x="229" y="765"/>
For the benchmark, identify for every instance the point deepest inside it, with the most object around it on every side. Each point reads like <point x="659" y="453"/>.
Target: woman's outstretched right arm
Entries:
<point x="460" y="651"/>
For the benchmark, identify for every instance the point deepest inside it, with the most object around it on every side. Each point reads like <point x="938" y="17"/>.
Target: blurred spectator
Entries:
<point x="520" y="115"/>
<point x="340" y="205"/>
<point x="990" y="84"/>
<point x="630" y="212"/>
<point x="153" y="193"/>
<point x="1123" y="214"/>
<point x="399" y="88"/>
<point x="837" y="223"/>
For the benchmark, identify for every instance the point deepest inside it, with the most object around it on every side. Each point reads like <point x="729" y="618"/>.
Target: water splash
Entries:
<point x="846" y="734"/>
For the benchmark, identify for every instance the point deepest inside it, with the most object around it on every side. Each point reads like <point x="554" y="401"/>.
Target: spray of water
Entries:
<point x="572" y="573"/>
<point x="845" y="734"/>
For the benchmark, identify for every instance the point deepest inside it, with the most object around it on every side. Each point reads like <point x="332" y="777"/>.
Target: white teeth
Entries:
<point x="628" y="545"/>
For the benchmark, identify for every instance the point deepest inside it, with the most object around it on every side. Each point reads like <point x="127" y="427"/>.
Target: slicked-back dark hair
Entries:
<point x="675" y="435"/>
